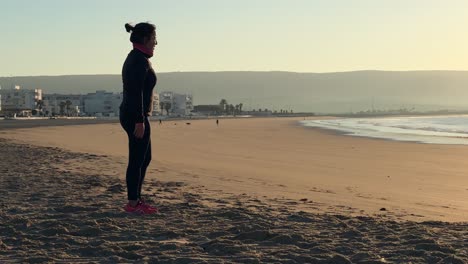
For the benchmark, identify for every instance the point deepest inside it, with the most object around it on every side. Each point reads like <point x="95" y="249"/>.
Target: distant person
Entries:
<point x="160" y="121"/>
<point x="217" y="122"/>
<point x="139" y="80"/>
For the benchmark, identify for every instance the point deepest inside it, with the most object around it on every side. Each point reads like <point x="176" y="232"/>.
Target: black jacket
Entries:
<point x="138" y="79"/>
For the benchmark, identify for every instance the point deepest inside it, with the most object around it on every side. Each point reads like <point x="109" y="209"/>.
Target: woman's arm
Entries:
<point x="138" y="75"/>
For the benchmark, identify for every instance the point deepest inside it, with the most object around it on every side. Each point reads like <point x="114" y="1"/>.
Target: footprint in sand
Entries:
<point x="116" y="188"/>
<point x="315" y="189"/>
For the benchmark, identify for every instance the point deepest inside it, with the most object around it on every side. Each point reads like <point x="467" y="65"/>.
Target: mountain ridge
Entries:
<point x="330" y="92"/>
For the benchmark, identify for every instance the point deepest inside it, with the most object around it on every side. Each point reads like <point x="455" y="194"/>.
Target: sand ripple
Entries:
<point x="52" y="215"/>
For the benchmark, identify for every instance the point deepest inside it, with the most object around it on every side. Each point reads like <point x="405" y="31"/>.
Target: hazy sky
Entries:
<point x="58" y="37"/>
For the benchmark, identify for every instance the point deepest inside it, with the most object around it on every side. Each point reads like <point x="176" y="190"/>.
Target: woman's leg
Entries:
<point x="147" y="158"/>
<point x="136" y="158"/>
<point x="144" y="167"/>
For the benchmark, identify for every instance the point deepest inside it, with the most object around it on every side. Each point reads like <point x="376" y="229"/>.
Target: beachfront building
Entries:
<point x="183" y="104"/>
<point x="207" y="109"/>
<point x="178" y="104"/>
<point x="156" y="106"/>
<point x="259" y="112"/>
<point x="25" y="102"/>
<point x="19" y="101"/>
<point x="102" y="103"/>
<point x="62" y="104"/>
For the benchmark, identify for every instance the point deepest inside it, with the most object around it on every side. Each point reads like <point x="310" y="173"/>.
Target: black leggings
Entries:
<point x="139" y="156"/>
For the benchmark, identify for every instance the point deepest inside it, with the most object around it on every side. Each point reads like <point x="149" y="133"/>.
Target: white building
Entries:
<point x="180" y="104"/>
<point x="17" y="100"/>
<point x="62" y="104"/>
<point x="156" y="106"/>
<point x="102" y="103"/>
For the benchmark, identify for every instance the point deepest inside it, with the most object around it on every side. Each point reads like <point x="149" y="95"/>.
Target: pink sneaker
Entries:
<point x="138" y="209"/>
<point x="147" y="206"/>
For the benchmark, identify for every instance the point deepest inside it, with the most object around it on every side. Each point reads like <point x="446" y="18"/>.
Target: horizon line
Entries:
<point x="232" y="71"/>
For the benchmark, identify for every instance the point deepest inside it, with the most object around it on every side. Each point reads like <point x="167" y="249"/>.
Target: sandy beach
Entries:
<point x="262" y="190"/>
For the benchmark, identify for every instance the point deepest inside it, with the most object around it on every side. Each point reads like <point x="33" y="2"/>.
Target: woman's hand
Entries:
<point x="139" y="130"/>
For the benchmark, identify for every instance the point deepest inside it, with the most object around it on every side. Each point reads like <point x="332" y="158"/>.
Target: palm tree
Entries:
<point x="161" y="106"/>
<point x="168" y="107"/>
<point x="62" y="108"/>
<point x="223" y="103"/>
<point x="68" y="104"/>
<point x="40" y="105"/>
<point x="240" y="108"/>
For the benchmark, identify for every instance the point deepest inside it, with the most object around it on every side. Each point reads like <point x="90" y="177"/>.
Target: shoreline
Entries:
<point x="423" y="138"/>
<point x="337" y="132"/>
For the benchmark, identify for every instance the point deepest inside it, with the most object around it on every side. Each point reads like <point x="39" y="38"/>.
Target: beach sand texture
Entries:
<point x="248" y="191"/>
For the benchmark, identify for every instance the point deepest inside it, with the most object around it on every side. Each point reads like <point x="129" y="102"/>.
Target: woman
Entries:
<point x="139" y="80"/>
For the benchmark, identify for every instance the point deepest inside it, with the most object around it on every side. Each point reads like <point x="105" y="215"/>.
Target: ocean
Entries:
<point x="450" y="129"/>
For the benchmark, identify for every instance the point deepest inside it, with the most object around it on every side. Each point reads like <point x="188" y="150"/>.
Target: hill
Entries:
<point x="313" y="92"/>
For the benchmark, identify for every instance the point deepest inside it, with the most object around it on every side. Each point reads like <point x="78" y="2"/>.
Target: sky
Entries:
<point x="67" y="37"/>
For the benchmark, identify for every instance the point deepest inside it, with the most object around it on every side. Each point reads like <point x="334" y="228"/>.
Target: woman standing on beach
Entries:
<point x="139" y="80"/>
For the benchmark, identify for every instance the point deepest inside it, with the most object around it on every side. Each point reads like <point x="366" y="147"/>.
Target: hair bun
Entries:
<point x="129" y="27"/>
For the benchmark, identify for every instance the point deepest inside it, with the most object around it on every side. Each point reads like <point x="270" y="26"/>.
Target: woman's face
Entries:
<point x="151" y="42"/>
